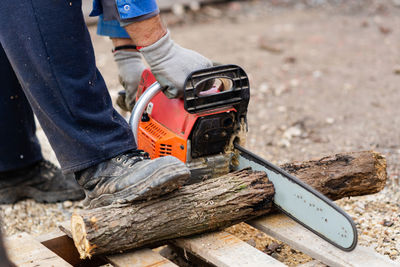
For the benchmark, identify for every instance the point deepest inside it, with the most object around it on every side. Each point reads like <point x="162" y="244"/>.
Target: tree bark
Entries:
<point x="218" y="203"/>
<point x="209" y="205"/>
<point x="343" y="175"/>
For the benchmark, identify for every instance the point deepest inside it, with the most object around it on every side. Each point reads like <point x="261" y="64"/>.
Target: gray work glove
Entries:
<point x="171" y="64"/>
<point x="130" y="66"/>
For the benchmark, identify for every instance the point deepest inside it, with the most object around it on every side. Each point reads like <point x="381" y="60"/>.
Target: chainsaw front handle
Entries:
<point x="141" y="105"/>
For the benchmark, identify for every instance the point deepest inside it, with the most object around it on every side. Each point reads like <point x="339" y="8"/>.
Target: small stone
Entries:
<point x="282" y="109"/>
<point x="291" y="132"/>
<point x="330" y="120"/>
<point x="251" y="242"/>
<point x="396" y="70"/>
<point x="290" y="60"/>
<point x="284" y="143"/>
<point x="294" y="83"/>
<point x="317" y="74"/>
<point x="264" y="88"/>
<point x="67" y="204"/>
<point x="280" y="89"/>
<point x="274" y="246"/>
<point x="387" y="223"/>
<point x="358" y="210"/>
<point x="385" y="30"/>
<point x="8" y="211"/>
<point x="274" y="255"/>
<point x="347" y="86"/>
<point x="364" y="24"/>
<point x="270" y="46"/>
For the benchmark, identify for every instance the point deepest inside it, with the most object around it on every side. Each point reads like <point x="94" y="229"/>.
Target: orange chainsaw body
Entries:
<point x="199" y="127"/>
<point x="167" y="126"/>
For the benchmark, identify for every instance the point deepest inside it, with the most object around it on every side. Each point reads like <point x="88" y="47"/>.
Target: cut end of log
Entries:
<point x="380" y="167"/>
<point x="79" y="234"/>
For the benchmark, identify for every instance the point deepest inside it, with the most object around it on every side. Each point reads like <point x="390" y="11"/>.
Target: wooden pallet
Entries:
<point x="215" y="249"/>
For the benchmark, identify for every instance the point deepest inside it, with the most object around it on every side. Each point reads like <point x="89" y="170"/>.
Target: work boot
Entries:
<point x="41" y="181"/>
<point x="131" y="177"/>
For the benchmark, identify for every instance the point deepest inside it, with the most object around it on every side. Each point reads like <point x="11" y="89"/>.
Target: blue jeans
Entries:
<point x="47" y="46"/>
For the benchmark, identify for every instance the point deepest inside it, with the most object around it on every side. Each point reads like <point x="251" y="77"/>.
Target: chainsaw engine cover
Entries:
<point x="211" y="134"/>
<point x="197" y="128"/>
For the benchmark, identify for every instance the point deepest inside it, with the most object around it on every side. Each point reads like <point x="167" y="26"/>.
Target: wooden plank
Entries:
<point x="58" y="242"/>
<point x="139" y="258"/>
<point x="224" y="249"/>
<point x="62" y="245"/>
<point x="24" y="250"/>
<point x="285" y="229"/>
<point x="49" y="236"/>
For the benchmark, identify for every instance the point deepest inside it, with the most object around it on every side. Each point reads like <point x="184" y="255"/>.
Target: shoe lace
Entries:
<point x="132" y="157"/>
<point x="48" y="169"/>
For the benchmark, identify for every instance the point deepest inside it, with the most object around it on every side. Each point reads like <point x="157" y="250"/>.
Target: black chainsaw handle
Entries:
<point x="237" y="96"/>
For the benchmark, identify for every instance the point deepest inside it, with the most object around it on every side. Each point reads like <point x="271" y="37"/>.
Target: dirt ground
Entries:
<point x="324" y="78"/>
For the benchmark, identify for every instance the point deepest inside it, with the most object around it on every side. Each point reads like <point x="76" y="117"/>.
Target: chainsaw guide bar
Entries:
<point x="304" y="204"/>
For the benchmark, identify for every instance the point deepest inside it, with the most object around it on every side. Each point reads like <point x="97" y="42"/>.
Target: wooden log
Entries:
<point x="343" y="175"/>
<point x="219" y="202"/>
<point x="213" y="204"/>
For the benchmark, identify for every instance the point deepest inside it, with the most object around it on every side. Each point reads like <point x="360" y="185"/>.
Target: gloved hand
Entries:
<point x="130" y="66"/>
<point x="171" y="64"/>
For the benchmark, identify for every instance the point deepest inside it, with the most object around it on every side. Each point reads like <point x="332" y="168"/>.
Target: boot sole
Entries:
<point x="10" y="196"/>
<point x="147" y="189"/>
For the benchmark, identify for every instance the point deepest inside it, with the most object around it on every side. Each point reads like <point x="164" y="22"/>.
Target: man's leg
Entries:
<point x="19" y="146"/>
<point x="23" y="171"/>
<point x="49" y="48"/>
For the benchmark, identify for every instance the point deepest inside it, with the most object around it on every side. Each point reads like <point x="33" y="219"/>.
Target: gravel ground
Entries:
<point x="324" y="78"/>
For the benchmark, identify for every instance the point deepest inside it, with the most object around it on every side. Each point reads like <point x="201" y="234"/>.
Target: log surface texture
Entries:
<point x="343" y="175"/>
<point x="218" y="203"/>
<point x="213" y="204"/>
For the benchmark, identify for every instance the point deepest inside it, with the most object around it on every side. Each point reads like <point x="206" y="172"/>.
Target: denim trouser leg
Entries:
<point x="49" y="48"/>
<point x="19" y="146"/>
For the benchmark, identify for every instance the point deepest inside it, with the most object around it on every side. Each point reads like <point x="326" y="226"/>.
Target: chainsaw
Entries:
<point x="206" y="129"/>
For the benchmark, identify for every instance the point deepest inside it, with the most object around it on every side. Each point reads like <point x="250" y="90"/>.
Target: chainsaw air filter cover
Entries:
<point x="211" y="134"/>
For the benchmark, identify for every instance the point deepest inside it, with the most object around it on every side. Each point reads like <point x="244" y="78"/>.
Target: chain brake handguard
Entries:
<point x="237" y="96"/>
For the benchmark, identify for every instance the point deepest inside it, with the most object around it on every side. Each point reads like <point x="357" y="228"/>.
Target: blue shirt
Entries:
<point x="127" y="9"/>
<point x="111" y="28"/>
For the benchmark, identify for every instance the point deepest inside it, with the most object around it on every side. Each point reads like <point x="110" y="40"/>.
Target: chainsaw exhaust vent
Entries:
<point x="158" y="141"/>
<point x="165" y="150"/>
<point x="155" y="131"/>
